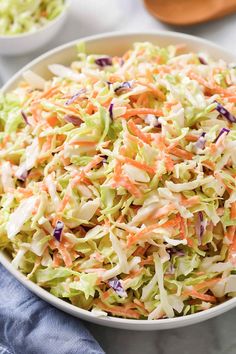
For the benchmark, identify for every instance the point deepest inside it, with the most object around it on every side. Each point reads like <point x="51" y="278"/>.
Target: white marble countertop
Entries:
<point x="88" y="17"/>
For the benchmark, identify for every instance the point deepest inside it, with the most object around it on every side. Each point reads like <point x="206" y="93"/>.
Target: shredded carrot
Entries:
<point x="118" y="310"/>
<point x="232" y="99"/>
<point x="165" y="210"/>
<point x="37" y="203"/>
<point x="134" y="139"/>
<point x="114" y="78"/>
<point x="181" y="153"/>
<point x="191" y="201"/>
<point x="66" y="256"/>
<point x="147" y="261"/>
<point x="79" y="178"/>
<point x="66" y="108"/>
<point x="93" y="164"/>
<point x="106" y="294"/>
<point x="140" y="304"/>
<point x="125" y="182"/>
<point x="230" y="233"/>
<point x="141" y="250"/>
<point x="50" y="92"/>
<point x="211" y="88"/>
<point x="137" y="120"/>
<point x="63" y="203"/>
<point x="126" y="55"/>
<point x="132" y="238"/>
<point x="35" y="113"/>
<point x="65" y="160"/>
<point x="172" y="222"/>
<point x="142" y="99"/>
<point x="47" y="145"/>
<point x="5" y="140"/>
<point x="56" y="260"/>
<point x="169" y="163"/>
<point x="168" y="105"/>
<point x="220" y="90"/>
<point x="155" y="90"/>
<point x="90" y="108"/>
<point x="160" y="142"/>
<point x="136" y="131"/>
<point x="83" y="143"/>
<point x="94" y="94"/>
<point x="232" y="250"/>
<point x="26" y="192"/>
<point x="190" y="242"/>
<point x="233" y="211"/>
<point x="209" y="164"/>
<point x="123" y="150"/>
<point x="191" y="138"/>
<point x="195" y="294"/>
<point x="138" y="164"/>
<point x="136" y="111"/>
<point x="208" y="85"/>
<point x="34" y="174"/>
<point x="206" y="284"/>
<point x="200" y="80"/>
<point x="52" y="121"/>
<point x="107" y="102"/>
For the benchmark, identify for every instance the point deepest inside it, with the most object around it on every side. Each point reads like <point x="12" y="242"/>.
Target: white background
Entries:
<point x="88" y="17"/>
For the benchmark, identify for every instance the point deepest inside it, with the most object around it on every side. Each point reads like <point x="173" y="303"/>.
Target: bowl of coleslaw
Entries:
<point x="28" y="25"/>
<point x="118" y="192"/>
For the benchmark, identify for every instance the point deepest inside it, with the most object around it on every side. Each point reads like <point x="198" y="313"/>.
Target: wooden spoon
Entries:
<point x="189" y="12"/>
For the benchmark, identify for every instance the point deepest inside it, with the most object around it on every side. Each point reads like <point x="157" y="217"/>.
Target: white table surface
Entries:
<point x="86" y="17"/>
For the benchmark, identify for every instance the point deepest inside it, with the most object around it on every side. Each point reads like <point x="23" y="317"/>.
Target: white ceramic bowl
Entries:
<point x="115" y="44"/>
<point x="29" y="41"/>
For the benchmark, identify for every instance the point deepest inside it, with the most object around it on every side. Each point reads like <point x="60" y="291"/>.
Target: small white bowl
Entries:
<point x="116" y="44"/>
<point x="29" y="41"/>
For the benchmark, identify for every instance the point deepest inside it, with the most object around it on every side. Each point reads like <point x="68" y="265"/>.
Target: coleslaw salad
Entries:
<point x="117" y="182"/>
<point x="19" y="17"/>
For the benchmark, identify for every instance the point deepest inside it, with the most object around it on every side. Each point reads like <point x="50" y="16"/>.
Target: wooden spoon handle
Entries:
<point x="230" y="4"/>
<point x="228" y="7"/>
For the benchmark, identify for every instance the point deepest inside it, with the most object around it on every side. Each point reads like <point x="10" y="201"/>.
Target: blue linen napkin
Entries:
<point x="28" y="325"/>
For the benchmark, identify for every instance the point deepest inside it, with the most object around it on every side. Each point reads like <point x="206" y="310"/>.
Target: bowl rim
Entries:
<point x="41" y="28"/>
<point x="115" y="322"/>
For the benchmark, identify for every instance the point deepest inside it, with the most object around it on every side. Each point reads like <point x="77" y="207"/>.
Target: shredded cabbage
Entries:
<point x="117" y="182"/>
<point x="17" y="16"/>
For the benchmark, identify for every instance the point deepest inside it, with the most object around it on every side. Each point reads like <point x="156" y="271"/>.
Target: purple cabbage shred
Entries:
<point x="202" y="60"/>
<point x="200" y="143"/>
<point x="200" y="227"/>
<point x="58" y="230"/>
<point x="111" y="111"/>
<point x="125" y="85"/>
<point x="225" y="113"/>
<point x="106" y="61"/>
<point x="122" y="62"/>
<point x="115" y="284"/>
<point x="174" y="252"/>
<point x="24" y="116"/>
<point x="76" y="121"/>
<point x="74" y="97"/>
<point x="223" y="130"/>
